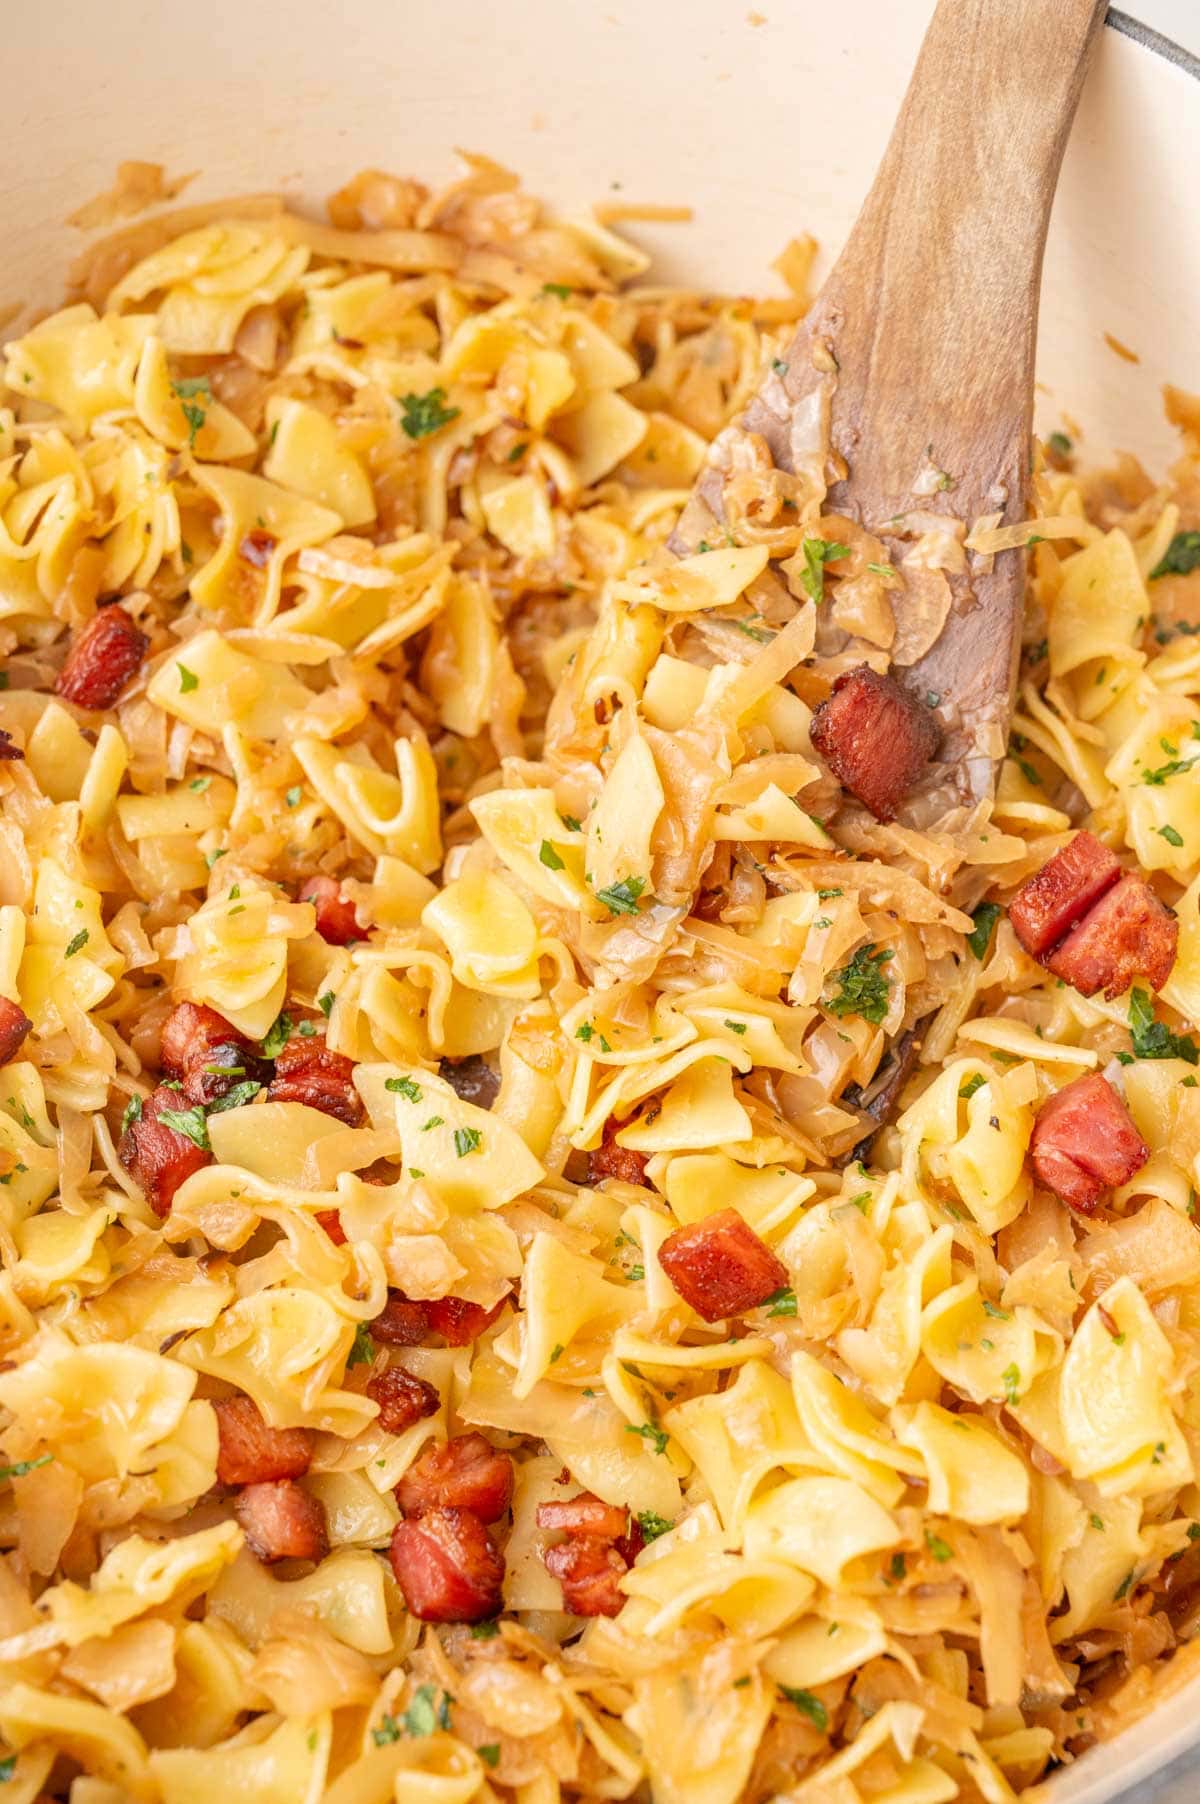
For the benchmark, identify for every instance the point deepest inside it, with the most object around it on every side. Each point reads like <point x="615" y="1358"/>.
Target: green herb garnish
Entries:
<point x="862" y="986"/>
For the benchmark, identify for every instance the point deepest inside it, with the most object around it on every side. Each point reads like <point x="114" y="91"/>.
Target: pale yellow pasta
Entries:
<point x="446" y="925"/>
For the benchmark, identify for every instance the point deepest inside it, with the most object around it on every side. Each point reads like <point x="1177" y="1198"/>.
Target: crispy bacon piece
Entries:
<point x="586" y="1515"/>
<point x="590" y="1573"/>
<point x="1058" y="896"/>
<point x="1085" y="1143"/>
<point x="14" y="1025"/>
<point x="875" y="738"/>
<point x="720" y="1266"/>
<point x="405" y="1323"/>
<point x="102" y="659"/>
<point x="8" y="750"/>
<point x="609" y="1160"/>
<point x="466" y="1473"/>
<point x="336" y="920"/>
<point x="448" y="1567"/>
<point x="459" y="1322"/>
<point x="331" y="1221"/>
<point x="306" y="1071"/>
<point x="401" y="1322"/>
<point x="251" y="1453"/>
<point x="601" y="1545"/>
<point x="403" y="1398"/>
<point x="1127" y="935"/>
<point x="158" y="1155"/>
<point x="282" y="1522"/>
<point x="207" y="1053"/>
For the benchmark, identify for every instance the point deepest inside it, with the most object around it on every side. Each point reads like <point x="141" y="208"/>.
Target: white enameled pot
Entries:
<point x="766" y="116"/>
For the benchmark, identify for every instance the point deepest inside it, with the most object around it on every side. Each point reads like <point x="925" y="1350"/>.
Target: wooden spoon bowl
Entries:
<point x="917" y="359"/>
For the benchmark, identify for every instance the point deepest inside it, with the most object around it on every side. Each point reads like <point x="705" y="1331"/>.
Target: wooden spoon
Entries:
<point x="919" y="351"/>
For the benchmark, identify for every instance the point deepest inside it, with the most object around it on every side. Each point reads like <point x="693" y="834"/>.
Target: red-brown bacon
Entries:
<point x="207" y="1054"/>
<point x="1084" y="1143"/>
<point x="875" y="738"/>
<point x="102" y="659"/>
<point x="336" y="921"/>
<point x="405" y="1323"/>
<point x="157" y="1155"/>
<point x="1127" y="935"/>
<point x="608" y="1160"/>
<point x="307" y="1071"/>
<point x="14" y="1025"/>
<point x="251" y="1453"/>
<point x="282" y="1522"/>
<point x="403" y="1398"/>
<point x="599" y="1548"/>
<point x="720" y="1266"/>
<point x="1092" y="925"/>
<point x="466" y="1473"/>
<point x="448" y="1566"/>
<point x="1058" y="896"/>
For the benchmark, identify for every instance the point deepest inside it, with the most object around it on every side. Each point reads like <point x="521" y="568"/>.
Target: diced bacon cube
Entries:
<point x="14" y="1025"/>
<point x="282" y="1522"/>
<point x="102" y="659"/>
<point x="720" y="1266"/>
<point x="1058" y="896"/>
<point x="460" y="1323"/>
<point x="1127" y="935"/>
<point x="448" y="1567"/>
<point x="586" y="1515"/>
<point x="401" y="1322"/>
<point x="336" y="920"/>
<point x="207" y="1054"/>
<point x="875" y="738"/>
<point x="608" y="1160"/>
<point x="250" y="1453"/>
<point x="1084" y="1143"/>
<point x="331" y="1221"/>
<point x="158" y="1155"/>
<point x="590" y="1573"/>
<point x="465" y="1473"/>
<point x="403" y="1398"/>
<point x="306" y="1071"/>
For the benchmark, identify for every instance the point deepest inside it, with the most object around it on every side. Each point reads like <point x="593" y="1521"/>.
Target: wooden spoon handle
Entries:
<point x="940" y="276"/>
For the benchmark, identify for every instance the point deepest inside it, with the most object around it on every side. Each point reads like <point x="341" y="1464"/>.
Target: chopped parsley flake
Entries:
<point x="549" y="857"/>
<point x="997" y="1314"/>
<point x="817" y="553"/>
<point x="736" y="1027"/>
<point x="485" y="1631"/>
<point x="188" y="1122"/>
<point x="466" y="1140"/>
<point x="325" y="1003"/>
<point x="188" y="680"/>
<point x="558" y="288"/>
<point x="657" y="1436"/>
<point x="1153" y="1039"/>
<point x="403" y="1086"/>
<point x="941" y="1550"/>
<point x="862" y="986"/>
<point x="363" y="1350"/>
<point x="1173" y="768"/>
<point x="584" y="1032"/>
<point x="1181" y="557"/>
<point x="1010" y="1378"/>
<point x="422" y="414"/>
<point x="133" y="1112"/>
<point x="1170" y="834"/>
<point x="489" y="1753"/>
<point x="1060" y="444"/>
<point x="622" y="898"/>
<point x="186" y="389"/>
<point x="781" y="1301"/>
<point x="985" y="918"/>
<point x="972" y="1084"/>
<point x="652" y="1525"/>
<point x="277" y="1036"/>
<point x="235" y="1097"/>
<point x="293" y="795"/>
<point x="23" y="1467"/>
<point x="77" y="944"/>
<point x="810" y="1706"/>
